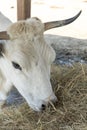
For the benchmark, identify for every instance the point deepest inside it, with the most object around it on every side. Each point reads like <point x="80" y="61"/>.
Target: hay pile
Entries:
<point x="70" y="86"/>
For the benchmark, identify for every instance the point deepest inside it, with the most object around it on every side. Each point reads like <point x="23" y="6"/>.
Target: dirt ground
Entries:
<point x="53" y="10"/>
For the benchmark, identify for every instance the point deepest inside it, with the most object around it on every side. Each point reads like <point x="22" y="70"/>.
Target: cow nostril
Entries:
<point x="43" y="106"/>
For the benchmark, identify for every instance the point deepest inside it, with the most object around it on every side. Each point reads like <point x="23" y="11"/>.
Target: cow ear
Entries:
<point x="1" y="49"/>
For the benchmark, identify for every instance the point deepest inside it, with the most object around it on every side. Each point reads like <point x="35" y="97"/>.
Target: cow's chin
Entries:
<point x="38" y="104"/>
<point x="35" y="107"/>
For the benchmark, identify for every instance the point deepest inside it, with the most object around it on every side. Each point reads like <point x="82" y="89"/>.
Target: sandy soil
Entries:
<point x="54" y="10"/>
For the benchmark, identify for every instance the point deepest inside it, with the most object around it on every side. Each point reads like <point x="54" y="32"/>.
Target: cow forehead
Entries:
<point x="22" y="53"/>
<point x="30" y="27"/>
<point x="25" y="51"/>
<point x="27" y="42"/>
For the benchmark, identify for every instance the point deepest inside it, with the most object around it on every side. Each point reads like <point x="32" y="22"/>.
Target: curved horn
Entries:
<point x="54" y="24"/>
<point x="4" y="36"/>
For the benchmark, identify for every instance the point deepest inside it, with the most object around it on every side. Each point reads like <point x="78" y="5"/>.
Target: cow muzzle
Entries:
<point x="48" y="103"/>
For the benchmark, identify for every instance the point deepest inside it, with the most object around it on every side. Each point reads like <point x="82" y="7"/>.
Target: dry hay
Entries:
<point x="69" y="114"/>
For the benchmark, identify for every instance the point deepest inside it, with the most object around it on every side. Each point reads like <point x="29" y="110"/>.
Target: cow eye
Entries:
<point x="16" y="65"/>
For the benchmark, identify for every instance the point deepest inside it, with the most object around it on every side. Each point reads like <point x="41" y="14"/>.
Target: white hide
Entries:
<point x="29" y="50"/>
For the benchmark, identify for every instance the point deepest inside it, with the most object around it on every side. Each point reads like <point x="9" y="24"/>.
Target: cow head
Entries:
<point x="27" y="58"/>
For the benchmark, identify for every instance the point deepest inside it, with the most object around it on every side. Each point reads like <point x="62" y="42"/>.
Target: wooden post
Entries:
<point x="23" y="9"/>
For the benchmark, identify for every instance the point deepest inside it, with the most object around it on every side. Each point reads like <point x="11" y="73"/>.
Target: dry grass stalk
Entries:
<point x="70" y="113"/>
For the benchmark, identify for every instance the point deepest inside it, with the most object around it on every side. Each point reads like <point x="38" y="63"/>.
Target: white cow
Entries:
<point x="25" y="61"/>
